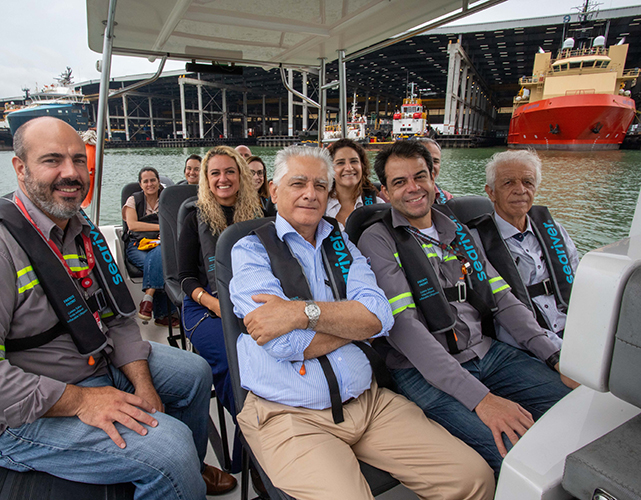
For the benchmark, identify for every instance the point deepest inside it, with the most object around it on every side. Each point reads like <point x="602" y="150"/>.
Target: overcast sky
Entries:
<point x="40" y="38"/>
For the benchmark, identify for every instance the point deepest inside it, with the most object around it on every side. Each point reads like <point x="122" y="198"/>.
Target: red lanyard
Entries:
<point x="91" y="261"/>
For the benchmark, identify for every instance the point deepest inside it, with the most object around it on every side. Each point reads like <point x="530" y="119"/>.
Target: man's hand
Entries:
<point x="101" y="407"/>
<point x="503" y="416"/>
<point x="149" y="394"/>
<point x="274" y="318"/>
<point x="566" y="380"/>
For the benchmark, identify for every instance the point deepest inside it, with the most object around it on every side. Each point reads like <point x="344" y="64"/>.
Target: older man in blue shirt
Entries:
<point x="544" y="256"/>
<point x="288" y="418"/>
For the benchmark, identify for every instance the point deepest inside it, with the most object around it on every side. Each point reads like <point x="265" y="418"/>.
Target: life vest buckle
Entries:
<point x="462" y="290"/>
<point x="101" y="301"/>
<point x="547" y="286"/>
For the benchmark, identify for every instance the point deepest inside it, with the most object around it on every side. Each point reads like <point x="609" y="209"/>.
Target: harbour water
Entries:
<point x="593" y="194"/>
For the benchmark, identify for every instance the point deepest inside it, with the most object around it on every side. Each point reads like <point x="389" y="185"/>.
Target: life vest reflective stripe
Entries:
<point x="26" y="279"/>
<point x="337" y="260"/>
<point x="74" y="262"/>
<point x="70" y="307"/>
<point x="2" y="352"/>
<point x="498" y="284"/>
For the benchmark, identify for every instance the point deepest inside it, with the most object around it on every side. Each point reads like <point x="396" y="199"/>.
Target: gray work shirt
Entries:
<point x="33" y="380"/>
<point x="414" y="345"/>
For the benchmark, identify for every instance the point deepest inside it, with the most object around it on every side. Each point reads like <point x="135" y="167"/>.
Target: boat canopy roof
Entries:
<point x="268" y="33"/>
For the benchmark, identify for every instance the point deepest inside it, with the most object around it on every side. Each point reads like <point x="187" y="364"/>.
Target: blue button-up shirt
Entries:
<point x="272" y="371"/>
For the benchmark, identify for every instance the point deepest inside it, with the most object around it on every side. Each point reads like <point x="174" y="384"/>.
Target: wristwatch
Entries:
<point x="553" y="359"/>
<point x="313" y="314"/>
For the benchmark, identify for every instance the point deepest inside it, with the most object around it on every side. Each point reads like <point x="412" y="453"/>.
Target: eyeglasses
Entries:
<point x="258" y="173"/>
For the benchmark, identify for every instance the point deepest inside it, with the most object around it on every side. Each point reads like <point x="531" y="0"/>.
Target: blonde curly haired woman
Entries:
<point x="225" y="195"/>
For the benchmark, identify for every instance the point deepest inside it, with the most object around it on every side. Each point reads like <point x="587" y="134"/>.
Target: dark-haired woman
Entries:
<point x="352" y="187"/>
<point x="225" y="195"/>
<point x="140" y="212"/>
<point x="261" y="184"/>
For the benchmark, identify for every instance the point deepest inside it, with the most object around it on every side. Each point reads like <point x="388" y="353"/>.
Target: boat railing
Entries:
<point x="530" y="80"/>
<point x="631" y="73"/>
<point x="588" y="51"/>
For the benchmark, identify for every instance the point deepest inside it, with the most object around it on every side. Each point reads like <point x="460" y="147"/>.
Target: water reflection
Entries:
<point x="593" y="194"/>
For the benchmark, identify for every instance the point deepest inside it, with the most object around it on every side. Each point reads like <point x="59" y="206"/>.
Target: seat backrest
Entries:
<point x="165" y="181"/>
<point x="470" y="207"/>
<point x="127" y="191"/>
<point x="354" y="223"/>
<point x="187" y="206"/>
<point x="625" y="372"/>
<point x="171" y="198"/>
<point x="231" y="325"/>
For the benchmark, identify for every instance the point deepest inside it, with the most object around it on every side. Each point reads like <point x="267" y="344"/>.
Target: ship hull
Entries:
<point x="581" y="122"/>
<point x="75" y="114"/>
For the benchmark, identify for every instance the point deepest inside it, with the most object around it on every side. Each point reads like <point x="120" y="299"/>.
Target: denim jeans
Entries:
<point x="506" y="372"/>
<point x="150" y="263"/>
<point x="164" y="464"/>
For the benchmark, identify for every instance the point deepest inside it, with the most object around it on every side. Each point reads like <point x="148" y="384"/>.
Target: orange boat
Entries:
<point x="576" y="101"/>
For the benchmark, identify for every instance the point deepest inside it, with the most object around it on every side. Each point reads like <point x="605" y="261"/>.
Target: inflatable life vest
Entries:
<point x="337" y="260"/>
<point x="208" y="251"/>
<point x="555" y="255"/>
<point x="369" y="197"/>
<point x="141" y="210"/>
<point x="77" y="316"/>
<point x="413" y="256"/>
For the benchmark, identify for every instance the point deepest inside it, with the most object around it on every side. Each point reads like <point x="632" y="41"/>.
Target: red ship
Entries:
<point x="578" y="100"/>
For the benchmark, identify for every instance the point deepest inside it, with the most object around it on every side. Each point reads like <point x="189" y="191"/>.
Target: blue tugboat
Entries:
<point x="59" y="100"/>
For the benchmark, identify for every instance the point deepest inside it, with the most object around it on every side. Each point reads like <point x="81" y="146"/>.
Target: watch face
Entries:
<point x="312" y="311"/>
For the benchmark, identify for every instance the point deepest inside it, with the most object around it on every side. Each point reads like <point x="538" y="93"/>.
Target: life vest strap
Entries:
<point x="545" y="287"/>
<point x="334" y="390"/>
<point x="15" y="345"/>
<point x="381" y="373"/>
<point x="462" y="293"/>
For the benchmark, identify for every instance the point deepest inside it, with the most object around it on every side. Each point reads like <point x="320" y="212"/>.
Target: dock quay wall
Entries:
<point x="181" y="143"/>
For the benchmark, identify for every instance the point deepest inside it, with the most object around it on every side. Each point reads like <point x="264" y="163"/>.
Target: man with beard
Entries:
<point x="445" y="298"/>
<point x="83" y="396"/>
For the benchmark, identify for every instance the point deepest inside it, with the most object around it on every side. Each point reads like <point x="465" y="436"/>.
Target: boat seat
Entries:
<point x="175" y="204"/>
<point x="470" y="207"/>
<point x="169" y="204"/>
<point x="610" y="464"/>
<point x="379" y="481"/>
<point x="127" y="191"/>
<point x="40" y="486"/>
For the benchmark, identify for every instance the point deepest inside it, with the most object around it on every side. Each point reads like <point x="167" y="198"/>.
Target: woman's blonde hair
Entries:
<point x="247" y="204"/>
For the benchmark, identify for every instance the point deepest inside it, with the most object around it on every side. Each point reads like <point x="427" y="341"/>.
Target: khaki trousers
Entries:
<point x="308" y="456"/>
